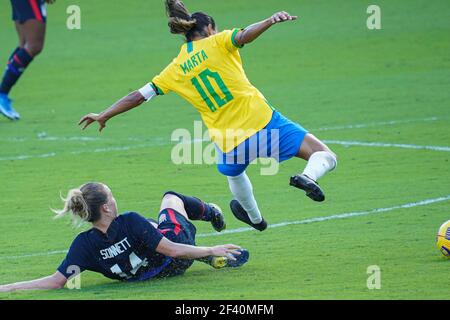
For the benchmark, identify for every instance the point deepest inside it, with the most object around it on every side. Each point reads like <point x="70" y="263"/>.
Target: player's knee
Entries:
<point x="172" y="201"/>
<point x="325" y="148"/>
<point x="334" y="155"/>
<point x="326" y="155"/>
<point x="34" y="48"/>
<point x="332" y="159"/>
<point x="169" y="194"/>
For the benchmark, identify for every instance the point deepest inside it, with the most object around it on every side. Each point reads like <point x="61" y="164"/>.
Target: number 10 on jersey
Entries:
<point x="219" y="101"/>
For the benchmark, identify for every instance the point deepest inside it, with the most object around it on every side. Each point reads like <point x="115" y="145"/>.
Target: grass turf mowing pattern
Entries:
<point x="332" y="71"/>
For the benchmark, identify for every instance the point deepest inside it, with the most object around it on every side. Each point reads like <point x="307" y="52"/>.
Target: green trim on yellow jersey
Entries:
<point x="233" y="40"/>
<point x="158" y="89"/>
<point x="270" y="105"/>
<point x="212" y="79"/>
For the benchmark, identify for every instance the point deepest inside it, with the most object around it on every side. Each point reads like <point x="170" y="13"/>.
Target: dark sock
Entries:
<point x="195" y="208"/>
<point x="12" y="54"/>
<point x="17" y="64"/>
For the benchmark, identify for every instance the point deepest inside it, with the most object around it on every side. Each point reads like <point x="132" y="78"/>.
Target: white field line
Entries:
<point x="31" y="255"/>
<point x="98" y="150"/>
<point x="26" y="157"/>
<point x="273" y="226"/>
<point x="388" y="145"/>
<point x="159" y="143"/>
<point x="374" y="124"/>
<point x="74" y="138"/>
<point x="162" y="142"/>
<point x="334" y="217"/>
<point x="44" y="137"/>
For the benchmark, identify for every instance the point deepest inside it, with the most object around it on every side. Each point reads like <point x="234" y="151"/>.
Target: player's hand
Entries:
<point x="226" y="250"/>
<point x="281" y="16"/>
<point x="90" y="118"/>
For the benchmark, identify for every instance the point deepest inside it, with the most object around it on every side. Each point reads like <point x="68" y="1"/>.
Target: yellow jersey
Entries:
<point x="208" y="73"/>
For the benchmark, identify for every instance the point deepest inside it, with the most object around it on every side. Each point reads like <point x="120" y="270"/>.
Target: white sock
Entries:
<point x="242" y="190"/>
<point x="320" y="163"/>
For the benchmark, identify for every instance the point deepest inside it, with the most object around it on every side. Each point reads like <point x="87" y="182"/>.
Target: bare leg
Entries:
<point x="320" y="161"/>
<point x="31" y="42"/>
<point x="32" y="33"/>
<point x="193" y="208"/>
<point x="9" y="79"/>
<point x="311" y="145"/>
<point x="21" y="34"/>
<point x="171" y="201"/>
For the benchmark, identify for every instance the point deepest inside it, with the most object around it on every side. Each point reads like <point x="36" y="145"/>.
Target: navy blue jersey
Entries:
<point x="125" y="252"/>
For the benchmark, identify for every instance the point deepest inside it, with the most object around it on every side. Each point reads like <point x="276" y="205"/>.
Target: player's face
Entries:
<point x="211" y="31"/>
<point x="111" y="203"/>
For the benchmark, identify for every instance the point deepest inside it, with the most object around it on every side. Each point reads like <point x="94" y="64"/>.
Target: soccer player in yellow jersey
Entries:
<point x="208" y="73"/>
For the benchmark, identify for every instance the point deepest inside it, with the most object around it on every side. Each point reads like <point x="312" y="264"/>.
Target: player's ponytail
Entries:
<point x="181" y="22"/>
<point x="85" y="202"/>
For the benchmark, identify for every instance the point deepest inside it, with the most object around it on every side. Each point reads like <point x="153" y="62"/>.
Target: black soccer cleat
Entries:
<point x="225" y="262"/>
<point x="310" y="186"/>
<point x="217" y="220"/>
<point x="242" y="215"/>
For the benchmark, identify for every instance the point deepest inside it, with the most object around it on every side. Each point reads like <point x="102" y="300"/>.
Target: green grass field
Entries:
<point x="327" y="71"/>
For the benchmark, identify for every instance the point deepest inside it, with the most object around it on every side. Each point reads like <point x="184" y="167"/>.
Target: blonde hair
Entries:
<point x="84" y="203"/>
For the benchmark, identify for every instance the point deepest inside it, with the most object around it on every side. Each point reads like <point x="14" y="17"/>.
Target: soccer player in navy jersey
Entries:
<point x="30" y="19"/>
<point x="132" y="248"/>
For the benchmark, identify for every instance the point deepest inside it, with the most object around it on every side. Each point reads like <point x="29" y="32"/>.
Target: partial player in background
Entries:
<point x="130" y="247"/>
<point x="30" y="19"/>
<point x="208" y="73"/>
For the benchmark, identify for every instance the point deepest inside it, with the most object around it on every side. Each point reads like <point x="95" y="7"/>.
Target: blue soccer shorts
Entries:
<point x="280" y="139"/>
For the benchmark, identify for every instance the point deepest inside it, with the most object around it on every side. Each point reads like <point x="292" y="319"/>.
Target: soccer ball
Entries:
<point x="443" y="239"/>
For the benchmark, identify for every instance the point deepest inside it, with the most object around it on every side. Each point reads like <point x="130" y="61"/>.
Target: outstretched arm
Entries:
<point x="184" y="251"/>
<point x="55" y="281"/>
<point x="255" y="30"/>
<point x="125" y="104"/>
